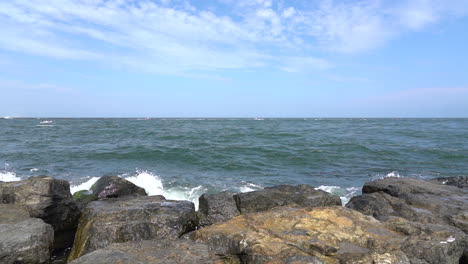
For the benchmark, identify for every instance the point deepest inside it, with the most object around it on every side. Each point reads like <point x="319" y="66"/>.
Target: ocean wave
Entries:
<point x="345" y="193"/>
<point x="8" y="176"/>
<point x="46" y="122"/>
<point x="153" y="185"/>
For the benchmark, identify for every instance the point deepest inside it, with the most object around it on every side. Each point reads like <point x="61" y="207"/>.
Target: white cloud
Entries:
<point x="175" y="36"/>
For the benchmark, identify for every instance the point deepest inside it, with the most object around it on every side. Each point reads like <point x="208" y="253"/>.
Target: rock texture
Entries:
<point x="152" y="252"/>
<point x="216" y="208"/>
<point x="44" y="197"/>
<point x="431" y="205"/>
<point x="23" y="239"/>
<point x="131" y="219"/>
<point x="330" y="235"/>
<point x="284" y="195"/>
<point x="461" y="181"/>
<point x="114" y="186"/>
<point x="415" y="200"/>
<point x="219" y="207"/>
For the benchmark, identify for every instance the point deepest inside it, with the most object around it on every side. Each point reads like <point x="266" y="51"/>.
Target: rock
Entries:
<point x="151" y="252"/>
<point x="460" y="182"/>
<point x="284" y="195"/>
<point x="216" y="208"/>
<point x="131" y="219"/>
<point x="306" y="235"/>
<point x="114" y="186"/>
<point x="83" y="198"/>
<point x="429" y="243"/>
<point x="415" y="200"/>
<point x="23" y="239"/>
<point x="44" y="197"/>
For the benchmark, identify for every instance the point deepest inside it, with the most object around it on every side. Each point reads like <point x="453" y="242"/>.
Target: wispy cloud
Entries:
<point x="41" y="87"/>
<point x="176" y="36"/>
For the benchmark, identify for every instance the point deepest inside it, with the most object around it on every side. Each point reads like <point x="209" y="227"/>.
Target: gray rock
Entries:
<point x="460" y="182"/>
<point x="284" y="195"/>
<point x="426" y="202"/>
<point x="216" y="208"/>
<point x="151" y="252"/>
<point x="23" y="239"/>
<point x="417" y="200"/>
<point x="114" y="186"/>
<point x="430" y="243"/>
<point x="44" y="197"/>
<point x="131" y="219"/>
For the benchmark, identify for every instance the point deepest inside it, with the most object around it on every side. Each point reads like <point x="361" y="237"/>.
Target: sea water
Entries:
<point x="184" y="158"/>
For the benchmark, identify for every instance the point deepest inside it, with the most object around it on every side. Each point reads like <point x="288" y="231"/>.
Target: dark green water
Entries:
<point x="183" y="158"/>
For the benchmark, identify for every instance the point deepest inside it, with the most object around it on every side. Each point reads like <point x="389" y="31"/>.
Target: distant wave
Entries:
<point x="46" y="122"/>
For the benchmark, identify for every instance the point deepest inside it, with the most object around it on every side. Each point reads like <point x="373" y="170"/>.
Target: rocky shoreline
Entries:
<point x="395" y="220"/>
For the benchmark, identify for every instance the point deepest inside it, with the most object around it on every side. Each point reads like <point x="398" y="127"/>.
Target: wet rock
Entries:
<point x="306" y="235"/>
<point x="284" y="195"/>
<point x="215" y="208"/>
<point x="114" y="186"/>
<point x="23" y="239"/>
<point x="44" y="197"/>
<point x="83" y="198"/>
<point x="131" y="219"/>
<point x="415" y="200"/>
<point x="460" y="182"/>
<point x="152" y="252"/>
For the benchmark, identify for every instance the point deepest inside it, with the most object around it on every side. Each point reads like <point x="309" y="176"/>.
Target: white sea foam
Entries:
<point x="84" y="186"/>
<point x="393" y="174"/>
<point x="153" y="185"/>
<point x="46" y="122"/>
<point x="34" y="170"/>
<point x="249" y="187"/>
<point x="8" y="176"/>
<point x="345" y="194"/>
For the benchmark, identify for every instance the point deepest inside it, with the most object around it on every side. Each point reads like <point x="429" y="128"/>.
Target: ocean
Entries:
<point x="184" y="158"/>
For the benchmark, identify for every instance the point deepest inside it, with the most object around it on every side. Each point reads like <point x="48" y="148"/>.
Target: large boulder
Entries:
<point x="23" y="239"/>
<point x="131" y="219"/>
<point x="44" y="197"/>
<point x="216" y="208"/>
<point x="284" y="195"/>
<point x="108" y="187"/>
<point x="114" y="186"/>
<point x="152" y="252"/>
<point x="460" y="181"/>
<point x="326" y="235"/>
<point x="415" y="200"/>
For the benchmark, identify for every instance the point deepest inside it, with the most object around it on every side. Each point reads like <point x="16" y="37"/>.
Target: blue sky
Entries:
<point x="226" y="58"/>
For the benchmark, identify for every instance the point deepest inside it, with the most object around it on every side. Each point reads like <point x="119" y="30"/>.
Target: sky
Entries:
<point x="234" y="58"/>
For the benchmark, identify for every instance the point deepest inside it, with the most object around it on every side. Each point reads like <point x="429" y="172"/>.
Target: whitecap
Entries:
<point x="84" y="186"/>
<point x="8" y="176"/>
<point x="153" y="185"/>
<point x="46" y="122"/>
<point x="345" y="193"/>
<point x="249" y="187"/>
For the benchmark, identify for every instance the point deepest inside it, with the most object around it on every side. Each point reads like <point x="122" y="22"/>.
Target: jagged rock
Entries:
<point x="131" y="219"/>
<point x="44" y="197"/>
<point x="306" y="235"/>
<point x="114" y="186"/>
<point x="151" y="252"/>
<point x="430" y="243"/>
<point x="284" y="195"/>
<point x="415" y="200"/>
<point x="215" y="208"/>
<point x="23" y="239"/>
<point x="460" y="181"/>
